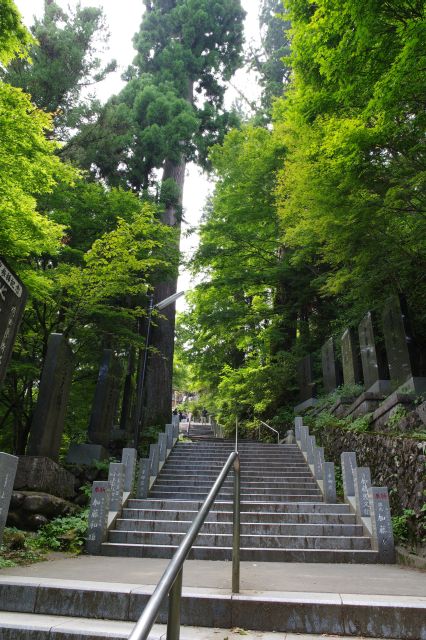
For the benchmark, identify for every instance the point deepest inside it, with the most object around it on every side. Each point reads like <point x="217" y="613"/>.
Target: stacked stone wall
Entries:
<point x="396" y="462"/>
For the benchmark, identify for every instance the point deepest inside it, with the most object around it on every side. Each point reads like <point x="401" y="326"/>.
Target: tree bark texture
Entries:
<point x="158" y="385"/>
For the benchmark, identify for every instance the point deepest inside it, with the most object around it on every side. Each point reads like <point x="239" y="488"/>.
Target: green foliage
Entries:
<point x="15" y="40"/>
<point x="64" y="534"/>
<point x="402" y="526"/>
<point x="18" y="549"/>
<point x="62" y="60"/>
<point x="398" y="414"/>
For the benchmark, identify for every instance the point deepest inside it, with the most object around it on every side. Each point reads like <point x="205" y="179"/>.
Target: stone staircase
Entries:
<point x="198" y="431"/>
<point x="283" y="515"/>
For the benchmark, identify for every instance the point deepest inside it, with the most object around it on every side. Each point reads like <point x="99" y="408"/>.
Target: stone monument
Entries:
<point x="373" y="356"/>
<point x="13" y="297"/>
<point x="306" y="384"/>
<point x="102" y="417"/>
<point x="98" y="517"/>
<point x="381" y="523"/>
<point x="404" y="354"/>
<point x="8" y="466"/>
<point x="351" y="362"/>
<point x="49" y="415"/>
<point x="330" y="367"/>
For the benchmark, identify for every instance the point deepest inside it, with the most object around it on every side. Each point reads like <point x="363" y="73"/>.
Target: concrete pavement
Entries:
<point x="392" y="580"/>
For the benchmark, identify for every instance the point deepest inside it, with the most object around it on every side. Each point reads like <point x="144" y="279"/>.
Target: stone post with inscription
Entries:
<point x="304" y="435"/>
<point x="318" y="462"/>
<point x="176" y="432"/>
<point x="348" y="462"/>
<point x="162" y="448"/>
<point x="382" y="533"/>
<point x="116" y="482"/>
<point x="362" y="482"/>
<point x="13" y="297"/>
<point x="169" y="435"/>
<point x="329" y="480"/>
<point x="154" y="460"/>
<point x="98" y="516"/>
<point x="298" y="424"/>
<point x="129" y="458"/>
<point x="8" y="466"/>
<point x="310" y="448"/>
<point x="144" y="478"/>
<point x="50" y="412"/>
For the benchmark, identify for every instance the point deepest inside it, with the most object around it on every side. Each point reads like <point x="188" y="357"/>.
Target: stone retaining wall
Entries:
<point x="396" y="462"/>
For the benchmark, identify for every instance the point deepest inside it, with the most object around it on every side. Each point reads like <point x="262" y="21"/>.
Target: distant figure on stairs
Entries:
<point x="204" y="415"/>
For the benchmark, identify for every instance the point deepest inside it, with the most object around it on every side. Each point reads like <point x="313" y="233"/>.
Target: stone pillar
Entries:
<point x="304" y="435"/>
<point x="329" y="482"/>
<point x="169" y="435"/>
<point x="13" y="296"/>
<point x="175" y="433"/>
<point x="351" y="359"/>
<point x="8" y="466"/>
<point x="50" y="411"/>
<point x="348" y="461"/>
<point x="162" y="448"/>
<point x="318" y="462"/>
<point x="175" y="421"/>
<point x="129" y="458"/>
<point x="98" y="517"/>
<point x="310" y="447"/>
<point x="330" y="367"/>
<point x="144" y="477"/>
<point x="362" y="482"/>
<point x="298" y="424"/>
<point x="105" y="401"/>
<point x="116" y="482"/>
<point x="381" y="524"/>
<point x="154" y="459"/>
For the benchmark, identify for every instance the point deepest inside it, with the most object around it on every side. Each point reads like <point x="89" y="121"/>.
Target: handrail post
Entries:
<point x="236" y="529"/>
<point x="175" y="595"/>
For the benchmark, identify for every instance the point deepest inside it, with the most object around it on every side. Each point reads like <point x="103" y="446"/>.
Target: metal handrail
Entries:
<point x="271" y="429"/>
<point x="171" y="580"/>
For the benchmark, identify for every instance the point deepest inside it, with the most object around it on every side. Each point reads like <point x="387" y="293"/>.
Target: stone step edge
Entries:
<point x="365" y="615"/>
<point x="260" y="536"/>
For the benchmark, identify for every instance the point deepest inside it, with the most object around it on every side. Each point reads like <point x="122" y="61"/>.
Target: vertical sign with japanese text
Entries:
<point x="13" y="297"/>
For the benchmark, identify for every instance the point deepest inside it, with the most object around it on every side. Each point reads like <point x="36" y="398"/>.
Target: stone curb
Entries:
<point x="317" y="613"/>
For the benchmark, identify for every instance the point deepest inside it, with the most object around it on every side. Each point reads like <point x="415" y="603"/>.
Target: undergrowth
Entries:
<point x="66" y="533"/>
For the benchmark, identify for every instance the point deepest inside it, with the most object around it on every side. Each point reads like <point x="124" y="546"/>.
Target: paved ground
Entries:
<point x="392" y="580"/>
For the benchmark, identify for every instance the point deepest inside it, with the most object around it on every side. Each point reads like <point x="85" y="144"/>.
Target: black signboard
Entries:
<point x="13" y="297"/>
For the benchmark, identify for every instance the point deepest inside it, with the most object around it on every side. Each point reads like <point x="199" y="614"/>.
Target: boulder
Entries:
<point x="37" y="473"/>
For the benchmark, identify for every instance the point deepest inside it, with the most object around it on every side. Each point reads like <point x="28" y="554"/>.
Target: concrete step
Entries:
<point x="258" y="528"/>
<point x="264" y="506"/>
<point x="307" y="488"/>
<point x="74" y="609"/>
<point x="246" y="517"/>
<point x="251" y="554"/>
<point x="263" y="541"/>
<point x="247" y="484"/>
<point x="200" y="495"/>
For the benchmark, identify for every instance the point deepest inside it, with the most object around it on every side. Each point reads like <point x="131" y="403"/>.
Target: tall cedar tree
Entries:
<point x="187" y="50"/>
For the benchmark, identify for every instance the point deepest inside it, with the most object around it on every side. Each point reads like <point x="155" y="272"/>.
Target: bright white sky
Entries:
<point x="123" y="19"/>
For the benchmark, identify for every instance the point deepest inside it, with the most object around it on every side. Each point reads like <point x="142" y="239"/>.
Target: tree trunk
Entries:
<point x="157" y="404"/>
<point x="158" y="385"/>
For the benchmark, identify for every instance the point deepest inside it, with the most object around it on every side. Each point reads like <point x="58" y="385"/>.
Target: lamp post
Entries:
<point x="141" y="380"/>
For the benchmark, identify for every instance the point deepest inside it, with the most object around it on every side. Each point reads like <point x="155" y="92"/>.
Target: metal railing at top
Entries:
<point x="270" y="428"/>
<point x="171" y="581"/>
